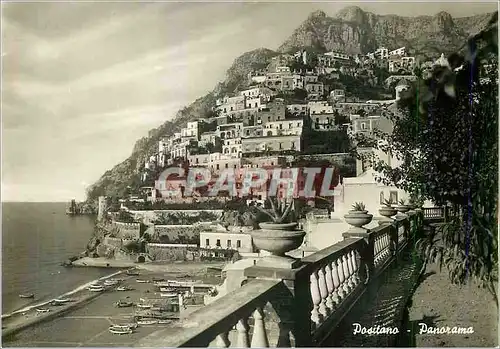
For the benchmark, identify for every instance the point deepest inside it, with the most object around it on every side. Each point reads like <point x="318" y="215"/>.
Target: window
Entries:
<point x="394" y="196"/>
<point x="281" y="145"/>
<point x="217" y="166"/>
<point x="238" y="243"/>
<point x="363" y="126"/>
<point x="218" y="243"/>
<point x="229" y="244"/>
<point x="225" y="165"/>
<point x="381" y="197"/>
<point x="207" y="242"/>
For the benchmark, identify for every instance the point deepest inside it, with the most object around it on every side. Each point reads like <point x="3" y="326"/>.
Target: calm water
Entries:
<point x="36" y="238"/>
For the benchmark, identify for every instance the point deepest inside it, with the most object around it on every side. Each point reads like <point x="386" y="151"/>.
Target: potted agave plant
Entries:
<point x="358" y="216"/>
<point x="388" y="210"/>
<point x="278" y="235"/>
<point x="402" y="207"/>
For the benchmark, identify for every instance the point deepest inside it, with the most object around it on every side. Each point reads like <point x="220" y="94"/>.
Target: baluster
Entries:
<point x="355" y="264"/>
<point x="331" y="288"/>
<point x="385" y="244"/>
<point x="316" y="315"/>
<point x="376" y="250"/>
<point x="336" y="297"/>
<point x="323" y="291"/>
<point x="259" y="336"/>
<point x="222" y="340"/>
<point x="342" y="291"/>
<point x="347" y="276"/>
<point x="242" y="340"/>
<point x="350" y="267"/>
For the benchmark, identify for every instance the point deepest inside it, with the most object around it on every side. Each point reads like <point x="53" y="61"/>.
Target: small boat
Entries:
<point x="164" y="321"/>
<point x="131" y="325"/>
<point x="171" y="295"/>
<point x="124" y="288"/>
<point x="110" y="282"/>
<point x="96" y="288"/>
<point x="158" y="279"/>
<point x="142" y="281"/>
<point x="120" y="330"/>
<point x="62" y="300"/>
<point x="123" y="304"/>
<point x="144" y="306"/>
<point x="40" y="310"/>
<point x="147" y="322"/>
<point x="28" y="295"/>
<point x="132" y="272"/>
<point x="167" y="289"/>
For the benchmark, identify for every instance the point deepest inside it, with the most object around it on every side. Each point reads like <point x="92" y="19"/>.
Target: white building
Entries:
<point x="284" y="127"/>
<point x="319" y="107"/>
<point x="191" y="130"/>
<point x="232" y="147"/>
<point x="241" y="242"/>
<point x="398" y="52"/>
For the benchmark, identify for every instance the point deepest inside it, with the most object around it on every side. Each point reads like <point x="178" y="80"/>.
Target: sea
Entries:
<point x="36" y="238"/>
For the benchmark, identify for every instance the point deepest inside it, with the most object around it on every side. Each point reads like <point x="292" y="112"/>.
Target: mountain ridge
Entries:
<point x="352" y="30"/>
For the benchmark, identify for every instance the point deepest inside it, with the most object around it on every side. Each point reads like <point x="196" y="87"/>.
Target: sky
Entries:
<point x="82" y="81"/>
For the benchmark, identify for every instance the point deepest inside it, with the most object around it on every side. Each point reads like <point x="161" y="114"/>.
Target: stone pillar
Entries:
<point x="288" y="317"/>
<point x="101" y="208"/>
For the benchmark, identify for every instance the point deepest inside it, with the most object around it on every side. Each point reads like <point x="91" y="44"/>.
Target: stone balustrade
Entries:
<point x="300" y="306"/>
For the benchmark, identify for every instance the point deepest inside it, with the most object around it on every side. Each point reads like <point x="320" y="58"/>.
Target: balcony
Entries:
<point x="312" y="303"/>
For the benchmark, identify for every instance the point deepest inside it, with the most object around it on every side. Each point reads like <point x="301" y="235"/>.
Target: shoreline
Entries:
<point x="27" y="316"/>
<point x="69" y="293"/>
<point x="85" y="321"/>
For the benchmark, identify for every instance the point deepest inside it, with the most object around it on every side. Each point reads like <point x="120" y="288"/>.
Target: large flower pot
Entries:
<point x="358" y="218"/>
<point x="387" y="211"/>
<point x="278" y="242"/>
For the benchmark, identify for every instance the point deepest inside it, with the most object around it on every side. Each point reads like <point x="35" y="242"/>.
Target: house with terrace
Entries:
<point x="233" y="130"/>
<point x="284" y="127"/>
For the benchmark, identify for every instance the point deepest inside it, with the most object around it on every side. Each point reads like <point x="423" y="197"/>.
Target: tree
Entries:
<point x="446" y="139"/>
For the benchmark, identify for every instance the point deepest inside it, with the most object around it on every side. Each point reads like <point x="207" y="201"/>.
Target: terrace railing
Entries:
<point x="296" y="307"/>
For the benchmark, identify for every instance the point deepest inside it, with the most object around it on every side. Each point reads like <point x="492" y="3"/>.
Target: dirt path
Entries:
<point x="438" y="303"/>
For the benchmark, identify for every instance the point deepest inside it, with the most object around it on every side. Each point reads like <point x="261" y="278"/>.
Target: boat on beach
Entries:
<point x="120" y="329"/>
<point x="123" y="304"/>
<point x="144" y="306"/>
<point x="96" y="288"/>
<point x="27" y="295"/>
<point x="132" y="272"/>
<point x="167" y="289"/>
<point x="124" y="288"/>
<point x="142" y="281"/>
<point x="40" y="310"/>
<point x="147" y="322"/>
<point x="164" y="322"/>
<point x="111" y="282"/>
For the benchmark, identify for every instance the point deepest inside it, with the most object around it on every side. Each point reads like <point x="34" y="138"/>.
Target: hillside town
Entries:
<point x="286" y="112"/>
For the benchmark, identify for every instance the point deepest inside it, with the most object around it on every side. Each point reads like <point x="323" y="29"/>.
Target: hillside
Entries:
<point x="352" y="30"/>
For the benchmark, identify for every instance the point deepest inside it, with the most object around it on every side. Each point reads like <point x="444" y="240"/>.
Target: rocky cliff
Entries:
<point x="352" y="30"/>
<point x="356" y="31"/>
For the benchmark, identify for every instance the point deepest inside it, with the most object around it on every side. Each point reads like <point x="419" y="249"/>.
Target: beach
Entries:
<point x="85" y="321"/>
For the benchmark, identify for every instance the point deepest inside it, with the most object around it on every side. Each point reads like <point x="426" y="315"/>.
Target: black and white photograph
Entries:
<point x="249" y="174"/>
